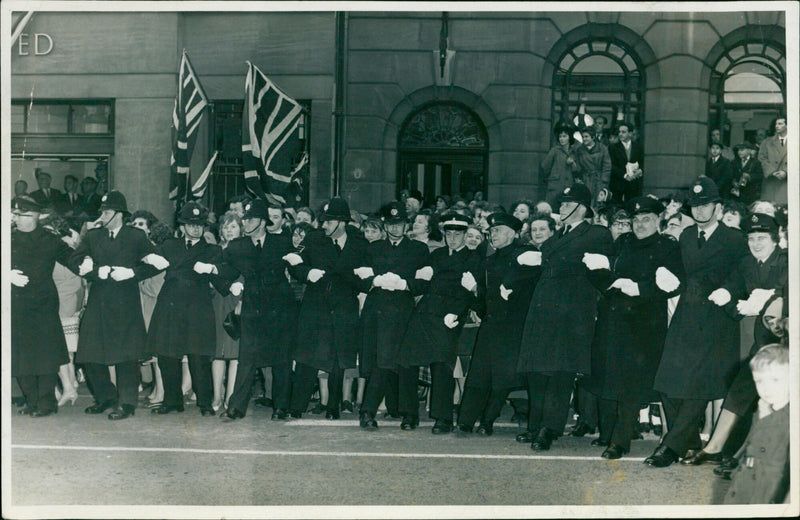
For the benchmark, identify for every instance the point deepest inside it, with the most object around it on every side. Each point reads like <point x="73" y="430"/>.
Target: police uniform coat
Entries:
<point x="427" y="338"/>
<point x="328" y="325"/>
<point x="183" y="320"/>
<point x="386" y="314"/>
<point x="560" y="323"/>
<point x="497" y="345"/>
<point x="630" y="331"/>
<point x="269" y="312"/>
<point x="701" y="350"/>
<point x="112" y="330"/>
<point x="38" y="345"/>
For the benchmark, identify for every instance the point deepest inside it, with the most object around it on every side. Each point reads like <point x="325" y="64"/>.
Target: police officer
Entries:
<point x="509" y="287"/>
<point x="183" y="318"/>
<point x="432" y="335"/>
<point x="38" y="347"/>
<point x="391" y="270"/>
<point x="114" y="258"/>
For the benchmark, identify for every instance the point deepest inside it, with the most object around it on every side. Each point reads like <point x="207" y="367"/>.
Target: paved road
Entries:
<point x="186" y="459"/>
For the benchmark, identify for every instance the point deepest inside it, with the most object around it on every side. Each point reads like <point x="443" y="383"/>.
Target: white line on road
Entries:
<point x="320" y="453"/>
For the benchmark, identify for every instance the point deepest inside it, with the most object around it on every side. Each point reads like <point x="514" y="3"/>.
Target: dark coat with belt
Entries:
<point x="559" y="327"/>
<point x="721" y="172"/>
<point x="701" y="350"/>
<point x="37" y="338"/>
<point x="747" y="179"/>
<point x="620" y="188"/>
<point x="269" y="313"/>
<point x="630" y="331"/>
<point x="427" y="338"/>
<point x="386" y="314"/>
<point x="328" y="326"/>
<point x="183" y="319"/>
<point x="112" y="329"/>
<point x="497" y="346"/>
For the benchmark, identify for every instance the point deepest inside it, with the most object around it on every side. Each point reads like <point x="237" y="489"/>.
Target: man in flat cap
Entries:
<point x="701" y="350"/>
<point x="328" y="326"/>
<point x="558" y="331"/>
<point x="114" y="258"/>
<point x="183" y="321"/>
<point x="503" y="306"/>
<point x="432" y="335"/>
<point x="391" y="269"/>
<point x="38" y="347"/>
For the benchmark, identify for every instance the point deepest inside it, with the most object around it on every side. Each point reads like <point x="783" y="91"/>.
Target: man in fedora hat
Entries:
<point x="38" y="347"/>
<point x="328" y="326"/>
<point x="183" y="321"/>
<point x="701" y="350"/>
<point x="432" y="334"/>
<point x="114" y="258"/>
<point x="558" y="330"/>
<point x="390" y="269"/>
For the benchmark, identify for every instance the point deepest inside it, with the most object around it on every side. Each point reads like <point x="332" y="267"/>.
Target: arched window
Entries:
<point x="748" y="89"/>
<point x="604" y="76"/>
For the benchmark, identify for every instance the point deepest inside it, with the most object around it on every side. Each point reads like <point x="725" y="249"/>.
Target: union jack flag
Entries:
<point x="190" y="104"/>
<point x="270" y="139"/>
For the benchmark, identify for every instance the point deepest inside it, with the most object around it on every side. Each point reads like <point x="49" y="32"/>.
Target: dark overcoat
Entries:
<point x="751" y="191"/>
<point x="497" y="345"/>
<point x="112" y="328"/>
<point x="183" y="319"/>
<point x="386" y="314"/>
<point x="630" y="331"/>
<point x="328" y="329"/>
<point x="701" y="350"/>
<point x="38" y="346"/>
<point x="559" y="326"/>
<point x="721" y="172"/>
<point x="269" y="313"/>
<point x="620" y="188"/>
<point x="427" y="339"/>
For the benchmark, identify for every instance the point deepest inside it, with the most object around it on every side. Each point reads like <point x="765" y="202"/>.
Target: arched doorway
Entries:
<point x="442" y="150"/>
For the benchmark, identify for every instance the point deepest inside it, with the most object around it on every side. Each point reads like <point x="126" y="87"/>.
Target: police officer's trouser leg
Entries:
<point x="200" y="369"/>
<point x="627" y="411"/>
<point x="390" y="392"/>
<point x="281" y="385"/>
<point x="377" y="388"/>
<point x="102" y="388"/>
<point x="442" y="387"/>
<point x="495" y="403"/>
<point x="550" y="393"/>
<point x="304" y="379"/>
<point x="171" y="374"/>
<point x="39" y="391"/>
<point x="586" y="404"/>
<point x="476" y="394"/>
<point x="335" y="381"/>
<point x="408" y="398"/>
<point x="683" y="419"/>
<point x="245" y="378"/>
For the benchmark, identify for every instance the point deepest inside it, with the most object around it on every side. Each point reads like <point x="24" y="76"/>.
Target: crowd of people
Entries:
<point x="596" y="297"/>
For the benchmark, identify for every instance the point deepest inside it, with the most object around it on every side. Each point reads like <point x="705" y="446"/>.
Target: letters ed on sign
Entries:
<point x="42" y="44"/>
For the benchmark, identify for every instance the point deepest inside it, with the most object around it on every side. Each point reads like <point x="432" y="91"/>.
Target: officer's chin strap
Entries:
<point x="105" y="224"/>
<point x="571" y="212"/>
<point x="395" y="237"/>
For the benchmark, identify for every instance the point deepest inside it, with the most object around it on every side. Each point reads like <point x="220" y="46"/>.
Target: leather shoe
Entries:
<point x="526" y="437"/>
<point x="207" y="412"/>
<point x="266" y="402"/>
<point x="280" y="415"/>
<point x="231" y="415"/>
<point x="662" y="457"/>
<point x="368" y="422"/>
<point x="409" y="422"/>
<point x="701" y="457"/>
<point x="294" y="414"/>
<point x="347" y="406"/>
<point x="332" y="415"/>
<point x="543" y="440"/>
<point x="614" y="451"/>
<point x="98" y="408"/>
<point x="581" y="429"/>
<point x="43" y="413"/>
<point x="123" y="411"/>
<point x="485" y="429"/>
<point x="599" y="442"/>
<point x="463" y="431"/>
<point x="167" y="408"/>
<point x="27" y="410"/>
<point x="440" y="427"/>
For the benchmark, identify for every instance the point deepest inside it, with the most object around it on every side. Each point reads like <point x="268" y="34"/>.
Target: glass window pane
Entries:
<point x="581" y="50"/>
<point x="48" y="119"/>
<point x="773" y="53"/>
<point x="629" y="63"/>
<point x="90" y="119"/>
<point x="17" y="119"/>
<point x="736" y="53"/>
<point x="567" y="62"/>
<point x="597" y="64"/>
<point x="722" y="65"/>
<point x="599" y="46"/>
<point x="616" y="51"/>
<point x="753" y="48"/>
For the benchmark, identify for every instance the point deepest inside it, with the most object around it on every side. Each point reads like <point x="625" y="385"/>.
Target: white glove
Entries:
<point x="504" y="293"/>
<point x="666" y="281"/>
<point x="450" y="320"/>
<point x="315" y="274"/>
<point x="425" y="273"/>
<point x="157" y="261"/>
<point x="293" y="259"/>
<point x="120" y="274"/>
<point x="392" y="282"/>
<point x="753" y="305"/>
<point x="381" y="282"/>
<point x="18" y="278"/>
<point x="398" y="283"/>
<point x="530" y="258"/>
<point x="363" y="272"/>
<point x="204" y="268"/>
<point x="103" y="271"/>
<point x="626" y="285"/>
<point x="86" y="266"/>
<point x="595" y="261"/>
<point x="468" y="282"/>
<point x="236" y="288"/>
<point x="720" y="297"/>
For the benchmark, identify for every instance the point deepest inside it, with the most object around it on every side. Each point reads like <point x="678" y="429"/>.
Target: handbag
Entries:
<point x="233" y="325"/>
